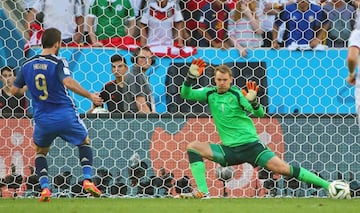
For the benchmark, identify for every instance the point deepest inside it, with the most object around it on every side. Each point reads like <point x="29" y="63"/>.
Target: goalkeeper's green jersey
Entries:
<point x="230" y="113"/>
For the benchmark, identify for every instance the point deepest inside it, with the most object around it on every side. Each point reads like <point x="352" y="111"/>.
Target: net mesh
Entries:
<point x="310" y="122"/>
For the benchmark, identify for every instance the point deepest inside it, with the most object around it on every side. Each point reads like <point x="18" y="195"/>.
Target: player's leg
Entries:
<point x="43" y="137"/>
<point x="86" y="158"/>
<point x="41" y="167"/>
<point x="196" y="152"/>
<point x="77" y="134"/>
<point x="273" y="163"/>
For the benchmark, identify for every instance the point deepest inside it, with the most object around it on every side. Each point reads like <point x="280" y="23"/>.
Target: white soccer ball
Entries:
<point x="339" y="189"/>
<point x="99" y="110"/>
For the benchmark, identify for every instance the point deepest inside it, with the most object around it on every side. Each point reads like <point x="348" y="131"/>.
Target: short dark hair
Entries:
<point x="9" y="69"/>
<point x="50" y="37"/>
<point x="117" y="57"/>
<point x="138" y="49"/>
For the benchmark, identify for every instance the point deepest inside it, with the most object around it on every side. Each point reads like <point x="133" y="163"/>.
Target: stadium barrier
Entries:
<point x="292" y="81"/>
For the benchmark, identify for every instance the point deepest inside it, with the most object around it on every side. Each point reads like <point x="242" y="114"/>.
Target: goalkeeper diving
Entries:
<point x="230" y="107"/>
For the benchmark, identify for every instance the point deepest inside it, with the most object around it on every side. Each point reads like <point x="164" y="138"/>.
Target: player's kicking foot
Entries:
<point x="91" y="188"/>
<point x="196" y="195"/>
<point x="45" y="195"/>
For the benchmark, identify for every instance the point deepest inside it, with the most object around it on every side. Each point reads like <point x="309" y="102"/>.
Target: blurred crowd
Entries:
<point x="242" y="24"/>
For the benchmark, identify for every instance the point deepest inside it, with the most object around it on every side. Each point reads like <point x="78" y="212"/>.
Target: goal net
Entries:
<point x="310" y="121"/>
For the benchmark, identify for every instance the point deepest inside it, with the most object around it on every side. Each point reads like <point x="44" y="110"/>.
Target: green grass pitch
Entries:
<point x="166" y="205"/>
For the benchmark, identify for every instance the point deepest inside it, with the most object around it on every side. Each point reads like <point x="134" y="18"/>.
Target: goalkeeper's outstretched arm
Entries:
<point x="250" y="94"/>
<point x="196" y="69"/>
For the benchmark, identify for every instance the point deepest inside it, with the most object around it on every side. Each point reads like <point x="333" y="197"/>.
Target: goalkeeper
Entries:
<point x="240" y="143"/>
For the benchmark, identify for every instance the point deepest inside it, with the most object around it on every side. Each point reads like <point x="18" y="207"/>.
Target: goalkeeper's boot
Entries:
<point x="91" y="188"/>
<point x="45" y="195"/>
<point x="195" y="195"/>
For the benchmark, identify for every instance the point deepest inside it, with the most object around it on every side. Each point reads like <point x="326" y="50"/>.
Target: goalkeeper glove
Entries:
<point x="251" y="93"/>
<point x="196" y="69"/>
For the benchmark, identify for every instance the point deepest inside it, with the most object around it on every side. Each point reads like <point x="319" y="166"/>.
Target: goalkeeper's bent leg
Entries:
<point x="42" y="170"/>
<point x="197" y="167"/>
<point x="86" y="159"/>
<point x="305" y="175"/>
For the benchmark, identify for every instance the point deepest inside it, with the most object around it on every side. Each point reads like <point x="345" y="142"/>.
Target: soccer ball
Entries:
<point x="339" y="189"/>
<point x="99" y="110"/>
<point x="224" y="173"/>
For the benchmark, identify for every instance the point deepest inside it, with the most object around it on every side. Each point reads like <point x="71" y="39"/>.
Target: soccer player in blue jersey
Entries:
<point x="240" y="143"/>
<point x="48" y="79"/>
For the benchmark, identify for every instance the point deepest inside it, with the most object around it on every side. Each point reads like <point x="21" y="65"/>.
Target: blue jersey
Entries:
<point x="43" y="76"/>
<point x="301" y="26"/>
<point x="54" y="111"/>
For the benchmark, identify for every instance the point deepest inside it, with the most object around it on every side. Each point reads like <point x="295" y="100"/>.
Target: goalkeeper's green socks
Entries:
<point x="197" y="167"/>
<point x="305" y="175"/>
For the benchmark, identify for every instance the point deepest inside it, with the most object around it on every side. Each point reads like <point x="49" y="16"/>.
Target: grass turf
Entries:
<point x="148" y="205"/>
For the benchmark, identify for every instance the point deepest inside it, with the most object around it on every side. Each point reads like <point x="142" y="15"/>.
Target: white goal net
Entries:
<point x="310" y="122"/>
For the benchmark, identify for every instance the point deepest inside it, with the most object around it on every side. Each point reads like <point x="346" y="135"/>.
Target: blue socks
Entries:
<point x="86" y="158"/>
<point x="42" y="170"/>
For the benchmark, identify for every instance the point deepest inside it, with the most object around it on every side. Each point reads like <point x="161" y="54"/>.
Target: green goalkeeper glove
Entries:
<point x="196" y="69"/>
<point x="251" y="92"/>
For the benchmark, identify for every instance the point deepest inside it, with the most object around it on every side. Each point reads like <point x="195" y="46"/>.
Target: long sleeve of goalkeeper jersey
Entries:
<point x="189" y="93"/>
<point x="230" y="113"/>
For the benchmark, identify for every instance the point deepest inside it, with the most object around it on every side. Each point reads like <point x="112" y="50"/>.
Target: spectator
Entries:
<point x="190" y="10"/>
<point x="113" y="18"/>
<point x="139" y="92"/>
<point x="305" y="25"/>
<point x="138" y="6"/>
<point x="27" y="4"/>
<point x="36" y="31"/>
<point x="213" y="25"/>
<point x="113" y="92"/>
<point x="11" y="104"/>
<point x="158" y="21"/>
<point x="244" y="26"/>
<point x="354" y="3"/>
<point x="341" y="18"/>
<point x="267" y="11"/>
<point x="86" y="37"/>
<point x="67" y="16"/>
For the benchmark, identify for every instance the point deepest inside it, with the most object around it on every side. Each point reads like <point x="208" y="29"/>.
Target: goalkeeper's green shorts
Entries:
<point x="255" y="153"/>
